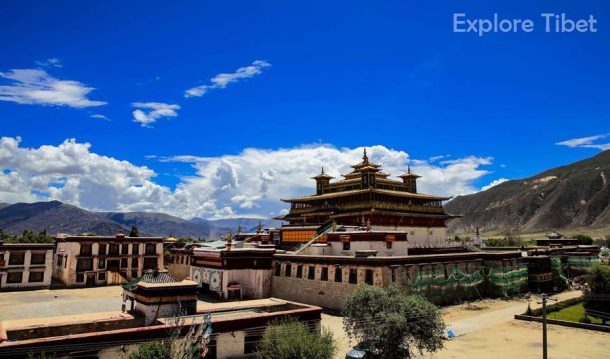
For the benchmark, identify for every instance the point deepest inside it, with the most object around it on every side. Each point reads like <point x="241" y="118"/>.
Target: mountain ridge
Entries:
<point x="575" y="195"/>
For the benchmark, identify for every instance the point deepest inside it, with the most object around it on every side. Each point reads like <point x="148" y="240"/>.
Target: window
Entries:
<point x="83" y="264"/>
<point x="150" y="249"/>
<point x="135" y="248"/>
<point x="412" y="233"/>
<point x="16" y="258"/>
<point x="338" y="275"/>
<point x="102" y="250"/>
<point x="65" y="261"/>
<point x="299" y="271"/>
<point x="324" y="273"/>
<point x="288" y="271"/>
<point x="134" y="262"/>
<point x="38" y="258"/>
<point x="36" y="277"/>
<point x="311" y="272"/>
<point x="101" y="276"/>
<point x="85" y="249"/>
<point x="101" y="264"/>
<point x="123" y="262"/>
<point x="368" y="277"/>
<point x="388" y="244"/>
<point x="113" y="249"/>
<point x="346" y="246"/>
<point x="59" y="261"/>
<point x="80" y="277"/>
<point x="277" y="269"/>
<point x="393" y="274"/>
<point x="353" y="276"/>
<point x="14" y="277"/>
<point x="150" y="263"/>
<point x="431" y="232"/>
<point x="125" y="249"/>
<point x="134" y="274"/>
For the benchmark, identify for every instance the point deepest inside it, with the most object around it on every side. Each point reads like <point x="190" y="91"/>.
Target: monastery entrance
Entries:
<point x="90" y="280"/>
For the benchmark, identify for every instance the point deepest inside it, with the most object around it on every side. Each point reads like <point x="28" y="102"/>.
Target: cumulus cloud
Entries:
<point x="248" y="184"/>
<point x="221" y="80"/>
<point x="494" y="183"/>
<point x="147" y="113"/>
<point x="37" y="87"/>
<point x="587" y="142"/>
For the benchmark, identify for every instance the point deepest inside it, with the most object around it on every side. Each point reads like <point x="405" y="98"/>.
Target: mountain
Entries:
<point x="572" y="196"/>
<point x="57" y="217"/>
<point x="246" y="224"/>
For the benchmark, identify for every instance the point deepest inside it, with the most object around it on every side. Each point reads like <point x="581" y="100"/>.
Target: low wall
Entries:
<point x="565" y="323"/>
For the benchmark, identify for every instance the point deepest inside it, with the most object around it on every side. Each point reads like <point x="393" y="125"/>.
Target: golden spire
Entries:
<point x="365" y="158"/>
<point x="409" y="169"/>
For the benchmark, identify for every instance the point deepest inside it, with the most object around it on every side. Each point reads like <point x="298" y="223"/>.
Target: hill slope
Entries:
<point x="572" y="196"/>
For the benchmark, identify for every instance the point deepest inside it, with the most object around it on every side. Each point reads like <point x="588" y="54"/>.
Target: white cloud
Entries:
<point x="50" y="62"/>
<point x="249" y="184"/>
<point x="494" y="183"/>
<point x="102" y="117"/>
<point x="221" y="80"/>
<point x="37" y="87"/>
<point x="147" y="113"/>
<point x="587" y="142"/>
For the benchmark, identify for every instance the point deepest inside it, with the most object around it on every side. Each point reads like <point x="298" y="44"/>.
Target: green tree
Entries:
<point x="134" y="232"/>
<point x="597" y="296"/>
<point x="392" y="323"/>
<point x="291" y="339"/>
<point x="584" y="239"/>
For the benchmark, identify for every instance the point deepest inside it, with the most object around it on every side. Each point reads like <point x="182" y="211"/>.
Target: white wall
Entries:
<point x="420" y="236"/>
<point x="25" y="269"/>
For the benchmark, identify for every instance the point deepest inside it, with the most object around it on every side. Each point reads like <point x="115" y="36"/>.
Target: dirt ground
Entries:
<point x="487" y="329"/>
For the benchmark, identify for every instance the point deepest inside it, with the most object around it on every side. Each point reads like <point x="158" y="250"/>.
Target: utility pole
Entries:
<point x="544" y="338"/>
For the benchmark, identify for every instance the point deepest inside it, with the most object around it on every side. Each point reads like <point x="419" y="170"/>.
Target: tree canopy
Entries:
<point x="597" y="296"/>
<point x="391" y="323"/>
<point x="291" y="339"/>
<point x="27" y="237"/>
<point x="134" y="232"/>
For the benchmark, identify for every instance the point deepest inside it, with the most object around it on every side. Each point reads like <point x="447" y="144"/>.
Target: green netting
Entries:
<point x="581" y="263"/>
<point x="560" y="281"/>
<point x="507" y="280"/>
<point x="437" y="287"/>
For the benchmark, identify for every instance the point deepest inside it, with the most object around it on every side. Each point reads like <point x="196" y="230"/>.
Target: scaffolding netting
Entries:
<point x="581" y="263"/>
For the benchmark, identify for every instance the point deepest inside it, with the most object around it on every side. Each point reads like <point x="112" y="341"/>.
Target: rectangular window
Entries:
<point x="150" y="263"/>
<point x="288" y="271"/>
<point x="150" y="249"/>
<point x="134" y="274"/>
<point x="85" y="249"/>
<point x="101" y="276"/>
<point x="36" y="277"/>
<point x="16" y="259"/>
<point x="353" y="276"/>
<point x="102" y="250"/>
<point x="14" y="277"/>
<point x="311" y="272"/>
<point x="324" y="273"/>
<point x="368" y="277"/>
<point x="346" y="246"/>
<point x="135" y="248"/>
<point x="277" y="269"/>
<point x="113" y="249"/>
<point x="38" y="258"/>
<point x="83" y="264"/>
<point x="80" y="277"/>
<point x="125" y="249"/>
<point x="123" y="263"/>
<point x="134" y="262"/>
<point x="388" y="245"/>
<point x="59" y="261"/>
<point x="299" y="271"/>
<point x="101" y="264"/>
<point x="113" y="264"/>
<point x="338" y="275"/>
<point x="393" y="275"/>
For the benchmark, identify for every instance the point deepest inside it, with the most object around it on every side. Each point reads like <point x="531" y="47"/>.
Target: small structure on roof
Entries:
<point x="157" y="294"/>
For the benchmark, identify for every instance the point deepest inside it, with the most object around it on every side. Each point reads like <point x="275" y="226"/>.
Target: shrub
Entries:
<point x="291" y="339"/>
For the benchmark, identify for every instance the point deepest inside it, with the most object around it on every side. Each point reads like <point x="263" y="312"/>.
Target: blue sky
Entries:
<point x="343" y="74"/>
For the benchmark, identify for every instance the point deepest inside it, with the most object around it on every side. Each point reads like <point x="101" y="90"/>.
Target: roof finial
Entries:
<point x="322" y="169"/>
<point x="365" y="158"/>
<point x="409" y="169"/>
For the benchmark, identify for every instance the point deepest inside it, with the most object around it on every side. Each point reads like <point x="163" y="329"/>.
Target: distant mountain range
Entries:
<point x="572" y="196"/>
<point x="57" y="217"/>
